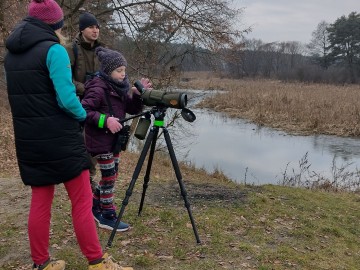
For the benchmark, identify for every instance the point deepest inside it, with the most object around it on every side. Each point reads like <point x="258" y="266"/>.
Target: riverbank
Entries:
<point x="296" y="108"/>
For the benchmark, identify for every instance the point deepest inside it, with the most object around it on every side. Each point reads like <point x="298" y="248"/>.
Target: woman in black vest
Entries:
<point x="49" y="143"/>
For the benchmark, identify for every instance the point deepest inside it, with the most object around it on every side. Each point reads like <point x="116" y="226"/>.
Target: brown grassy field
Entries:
<point x="297" y="108"/>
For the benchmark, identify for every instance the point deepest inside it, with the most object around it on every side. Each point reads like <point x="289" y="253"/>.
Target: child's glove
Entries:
<point x="113" y="124"/>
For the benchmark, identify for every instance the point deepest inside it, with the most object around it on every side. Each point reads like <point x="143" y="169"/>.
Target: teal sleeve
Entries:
<point x="58" y="63"/>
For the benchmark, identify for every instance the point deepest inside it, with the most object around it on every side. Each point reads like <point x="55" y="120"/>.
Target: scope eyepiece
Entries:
<point x="139" y="87"/>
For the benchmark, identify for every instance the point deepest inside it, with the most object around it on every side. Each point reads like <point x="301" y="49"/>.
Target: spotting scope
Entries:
<point x="161" y="98"/>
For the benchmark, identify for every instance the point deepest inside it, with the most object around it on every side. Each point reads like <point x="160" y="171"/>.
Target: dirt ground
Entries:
<point x="14" y="201"/>
<point x="15" y="198"/>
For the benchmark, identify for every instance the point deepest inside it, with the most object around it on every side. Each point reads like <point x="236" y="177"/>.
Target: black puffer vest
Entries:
<point x="49" y="143"/>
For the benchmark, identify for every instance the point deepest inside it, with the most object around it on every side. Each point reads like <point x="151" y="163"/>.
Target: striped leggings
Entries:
<point x="104" y="192"/>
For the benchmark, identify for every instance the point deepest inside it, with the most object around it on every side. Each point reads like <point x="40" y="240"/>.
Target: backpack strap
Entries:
<point x="76" y="53"/>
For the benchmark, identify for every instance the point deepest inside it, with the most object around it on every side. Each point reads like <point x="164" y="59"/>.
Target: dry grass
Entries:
<point x="294" y="107"/>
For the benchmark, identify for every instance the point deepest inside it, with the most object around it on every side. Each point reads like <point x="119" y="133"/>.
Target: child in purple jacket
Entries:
<point x="108" y="97"/>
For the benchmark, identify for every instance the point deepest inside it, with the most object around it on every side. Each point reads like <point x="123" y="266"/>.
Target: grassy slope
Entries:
<point x="240" y="227"/>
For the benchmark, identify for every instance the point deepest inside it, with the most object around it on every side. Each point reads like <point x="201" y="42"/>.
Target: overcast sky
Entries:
<point x="291" y="20"/>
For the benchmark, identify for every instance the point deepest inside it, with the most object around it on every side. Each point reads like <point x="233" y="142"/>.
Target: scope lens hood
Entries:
<point x="188" y="115"/>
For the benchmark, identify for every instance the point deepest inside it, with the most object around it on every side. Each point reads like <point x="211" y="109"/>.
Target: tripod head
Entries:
<point x="160" y="101"/>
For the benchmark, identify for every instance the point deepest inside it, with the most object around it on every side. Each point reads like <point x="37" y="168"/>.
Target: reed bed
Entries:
<point x="297" y="108"/>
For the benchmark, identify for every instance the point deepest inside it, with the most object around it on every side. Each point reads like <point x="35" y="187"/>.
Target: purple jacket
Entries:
<point x="100" y="140"/>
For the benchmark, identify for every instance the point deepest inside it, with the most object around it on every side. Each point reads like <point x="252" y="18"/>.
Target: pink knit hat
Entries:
<point x="47" y="11"/>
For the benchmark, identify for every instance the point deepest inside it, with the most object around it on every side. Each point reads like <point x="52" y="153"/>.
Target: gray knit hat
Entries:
<point x="109" y="59"/>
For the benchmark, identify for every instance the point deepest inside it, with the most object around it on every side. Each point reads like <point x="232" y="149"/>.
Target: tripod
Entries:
<point x="150" y="143"/>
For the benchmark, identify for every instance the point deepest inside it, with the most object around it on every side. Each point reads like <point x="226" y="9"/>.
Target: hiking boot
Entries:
<point x="109" y="222"/>
<point x="107" y="263"/>
<point x="50" y="265"/>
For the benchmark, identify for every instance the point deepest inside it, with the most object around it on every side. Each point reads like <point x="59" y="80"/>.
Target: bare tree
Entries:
<point x="151" y="26"/>
<point x="145" y="30"/>
<point x="269" y="56"/>
<point x="11" y="11"/>
<point x="319" y="45"/>
<point x="245" y="58"/>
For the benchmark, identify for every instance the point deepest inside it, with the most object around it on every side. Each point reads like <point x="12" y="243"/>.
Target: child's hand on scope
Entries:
<point x="146" y="85"/>
<point x="113" y="124"/>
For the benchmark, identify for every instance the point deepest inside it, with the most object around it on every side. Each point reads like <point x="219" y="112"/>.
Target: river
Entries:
<point x="247" y="153"/>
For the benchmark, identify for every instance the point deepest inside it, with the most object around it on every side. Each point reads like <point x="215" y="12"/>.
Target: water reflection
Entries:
<point x="348" y="149"/>
<point x="245" y="152"/>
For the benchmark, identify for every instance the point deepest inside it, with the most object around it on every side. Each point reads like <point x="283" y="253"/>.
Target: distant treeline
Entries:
<point x="288" y="61"/>
<point x="332" y="56"/>
<point x="162" y="38"/>
<point x="277" y="60"/>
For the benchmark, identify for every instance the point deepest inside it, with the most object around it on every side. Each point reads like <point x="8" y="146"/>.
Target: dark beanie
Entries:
<point x="47" y="11"/>
<point x="109" y="59"/>
<point x="87" y="19"/>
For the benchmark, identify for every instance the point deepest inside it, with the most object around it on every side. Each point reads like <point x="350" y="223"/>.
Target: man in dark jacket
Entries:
<point x="81" y="51"/>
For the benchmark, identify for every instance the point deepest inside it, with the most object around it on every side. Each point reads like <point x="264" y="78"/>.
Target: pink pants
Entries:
<point x="79" y="192"/>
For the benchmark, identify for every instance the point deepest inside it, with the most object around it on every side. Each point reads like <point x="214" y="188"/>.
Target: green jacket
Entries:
<point x="84" y="61"/>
